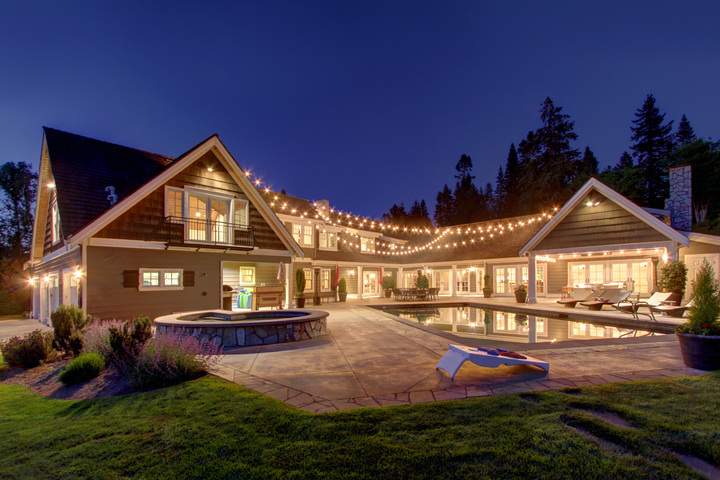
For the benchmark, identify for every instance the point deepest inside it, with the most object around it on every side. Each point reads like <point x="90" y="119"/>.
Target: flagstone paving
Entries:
<point x="370" y="359"/>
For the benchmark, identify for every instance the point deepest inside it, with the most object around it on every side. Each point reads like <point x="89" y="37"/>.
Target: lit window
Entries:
<point x="308" y="279"/>
<point x="174" y="203"/>
<point x="160" y="279"/>
<point x="240" y="213"/>
<point x="325" y="279"/>
<point x="303" y="234"/>
<point x="54" y="221"/>
<point x="328" y="240"/>
<point x="247" y="275"/>
<point x="367" y="244"/>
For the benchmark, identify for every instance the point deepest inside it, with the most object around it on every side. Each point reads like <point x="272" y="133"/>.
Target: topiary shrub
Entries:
<point x="703" y="315"/>
<point x="127" y="341"/>
<point x="83" y="368"/>
<point x="28" y="351"/>
<point x="388" y="282"/>
<point x="342" y="285"/>
<point x="300" y="282"/>
<point x="673" y="277"/>
<point x="422" y="281"/>
<point x="68" y="322"/>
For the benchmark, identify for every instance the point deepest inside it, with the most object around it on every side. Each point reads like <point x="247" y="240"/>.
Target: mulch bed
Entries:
<point x="43" y="380"/>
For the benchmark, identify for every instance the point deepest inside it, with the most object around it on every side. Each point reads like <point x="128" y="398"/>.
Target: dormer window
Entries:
<point x="303" y="234"/>
<point x="367" y="245"/>
<point x="328" y="240"/>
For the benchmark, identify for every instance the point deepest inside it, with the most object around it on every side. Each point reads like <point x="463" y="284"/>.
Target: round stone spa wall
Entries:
<point x="254" y="329"/>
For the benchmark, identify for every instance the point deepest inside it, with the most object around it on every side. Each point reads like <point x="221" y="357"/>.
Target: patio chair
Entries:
<point x="579" y="295"/>
<point x="492" y="358"/>
<point x="397" y="294"/>
<point x="673" y="310"/>
<point x="609" y="297"/>
<point x="655" y="300"/>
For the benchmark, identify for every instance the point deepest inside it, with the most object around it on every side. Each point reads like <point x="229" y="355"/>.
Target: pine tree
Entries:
<point x="625" y="161"/>
<point x="397" y="215"/>
<point x="469" y="203"/>
<point x="18" y="183"/>
<point x="653" y="143"/>
<point x="550" y="164"/>
<point x="419" y="215"/>
<point x="499" y="200"/>
<point x="444" y="207"/>
<point x="685" y="134"/>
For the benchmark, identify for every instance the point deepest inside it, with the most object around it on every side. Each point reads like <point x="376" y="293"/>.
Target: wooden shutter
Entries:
<point x="131" y="279"/>
<point x="188" y="279"/>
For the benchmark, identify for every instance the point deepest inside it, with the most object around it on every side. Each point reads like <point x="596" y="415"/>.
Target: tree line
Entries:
<point x="546" y="169"/>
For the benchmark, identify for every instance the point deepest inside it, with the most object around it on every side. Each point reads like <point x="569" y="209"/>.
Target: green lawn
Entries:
<point x="209" y="428"/>
<point x="19" y="316"/>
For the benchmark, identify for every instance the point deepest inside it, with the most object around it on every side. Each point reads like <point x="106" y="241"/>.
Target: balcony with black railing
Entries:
<point x="197" y="232"/>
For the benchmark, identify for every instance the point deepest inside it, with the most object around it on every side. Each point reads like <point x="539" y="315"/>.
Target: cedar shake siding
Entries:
<point x="146" y="220"/>
<point x="604" y="224"/>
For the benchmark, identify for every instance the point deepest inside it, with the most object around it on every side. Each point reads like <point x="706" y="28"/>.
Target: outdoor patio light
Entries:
<point x="51" y="185"/>
<point x="78" y="273"/>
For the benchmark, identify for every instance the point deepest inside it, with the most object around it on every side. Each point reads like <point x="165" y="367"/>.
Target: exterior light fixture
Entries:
<point x="78" y="273"/>
<point x="209" y="169"/>
<point x="51" y="185"/>
<point x="47" y="278"/>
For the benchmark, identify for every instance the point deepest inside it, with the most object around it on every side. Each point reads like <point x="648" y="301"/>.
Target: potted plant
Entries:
<point x="342" y="289"/>
<point x="487" y="288"/>
<point x="673" y="279"/>
<point x="388" y="284"/>
<point x="422" y="282"/>
<point x="699" y="336"/>
<point x="300" y="288"/>
<point x="521" y="293"/>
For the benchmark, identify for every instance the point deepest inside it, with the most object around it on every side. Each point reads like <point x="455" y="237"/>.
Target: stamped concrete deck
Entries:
<point x="370" y="359"/>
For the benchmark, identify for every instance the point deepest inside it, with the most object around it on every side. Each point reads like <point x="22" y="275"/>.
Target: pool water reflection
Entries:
<point x="473" y="322"/>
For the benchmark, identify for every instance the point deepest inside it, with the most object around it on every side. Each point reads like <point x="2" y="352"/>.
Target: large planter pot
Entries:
<point x="342" y="296"/>
<point x="520" y="297"/>
<point x="487" y="292"/>
<point x="388" y="293"/>
<point x="300" y="302"/>
<point x="700" y="351"/>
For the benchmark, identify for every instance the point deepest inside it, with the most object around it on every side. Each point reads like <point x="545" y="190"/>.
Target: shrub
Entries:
<point x="342" y="285"/>
<point x="487" y="282"/>
<point x="703" y="316"/>
<point x="300" y="282"/>
<point x="68" y="322"/>
<point x="28" y="351"/>
<point x="388" y="282"/>
<point x="127" y="341"/>
<point x="674" y="277"/>
<point x="172" y="357"/>
<point x="96" y="338"/>
<point x="422" y="282"/>
<point x="83" y="367"/>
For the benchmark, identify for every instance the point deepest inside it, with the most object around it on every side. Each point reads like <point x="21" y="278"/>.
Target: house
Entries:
<point x="123" y="232"/>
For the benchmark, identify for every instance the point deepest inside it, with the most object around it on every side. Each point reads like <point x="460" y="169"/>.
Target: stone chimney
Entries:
<point x="680" y="201"/>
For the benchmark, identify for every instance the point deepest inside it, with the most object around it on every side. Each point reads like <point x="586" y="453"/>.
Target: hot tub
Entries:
<point x="248" y="329"/>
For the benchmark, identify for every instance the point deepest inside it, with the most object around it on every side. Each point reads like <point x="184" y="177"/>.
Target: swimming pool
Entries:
<point x="496" y="324"/>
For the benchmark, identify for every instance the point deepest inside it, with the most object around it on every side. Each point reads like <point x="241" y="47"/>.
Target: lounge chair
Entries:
<point x="609" y="297"/>
<point x="655" y="300"/>
<point x="580" y="295"/>
<point x="459" y="354"/>
<point x="673" y="310"/>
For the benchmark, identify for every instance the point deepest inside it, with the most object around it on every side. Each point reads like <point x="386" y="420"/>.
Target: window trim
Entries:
<point x="302" y="235"/>
<point x="328" y="234"/>
<point x="161" y="279"/>
<point x="309" y="272"/>
<point x="329" y="279"/>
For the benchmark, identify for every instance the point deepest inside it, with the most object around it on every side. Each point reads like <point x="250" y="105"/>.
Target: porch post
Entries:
<point x="360" y="283"/>
<point x="532" y="285"/>
<point x="400" y="278"/>
<point x="453" y="281"/>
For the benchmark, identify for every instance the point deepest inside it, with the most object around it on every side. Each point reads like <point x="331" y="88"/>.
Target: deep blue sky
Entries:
<point x="365" y="104"/>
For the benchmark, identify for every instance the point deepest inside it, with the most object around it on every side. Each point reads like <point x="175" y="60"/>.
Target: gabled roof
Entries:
<point x="83" y="167"/>
<point x="629" y="206"/>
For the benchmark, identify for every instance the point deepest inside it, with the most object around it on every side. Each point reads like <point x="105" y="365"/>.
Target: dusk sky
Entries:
<point x="365" y="104"/>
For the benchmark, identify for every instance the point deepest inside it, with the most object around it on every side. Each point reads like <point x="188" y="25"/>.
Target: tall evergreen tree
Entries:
<point x="419" y="216"/>
<point x="469" y="204"/>
<point x="625" y="161"/>
<point x="685" y="134"/>
<point x="550" y="164"/>
<point x="500" y="192"/>
<point x="653" y="144"/>
<point x="444" y="207"/>
<point x="397" y="215"/>
<point x="18" y="183"/>
<point x="513" y="174"/>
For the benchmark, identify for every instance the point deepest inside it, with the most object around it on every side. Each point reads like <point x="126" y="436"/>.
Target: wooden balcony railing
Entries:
<point x="202" y="232"/>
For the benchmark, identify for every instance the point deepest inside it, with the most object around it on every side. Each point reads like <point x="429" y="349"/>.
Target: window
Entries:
<point x="367" y="244"/>
<point x="54" y="221"/>
<point x="173" y="203"/>
<point x="463" y="281"/>
<point x="328" y="240"/>
<point x="308" y="279"/>
<point x="325" y="280"/>
<point x="247" y="275"/>
<point x="160" y="279"/>
<point x="303" y="234"/>
<point x="240" y="213"/>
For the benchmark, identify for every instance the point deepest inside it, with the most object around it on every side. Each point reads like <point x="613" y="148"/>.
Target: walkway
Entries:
<point x="371" y="359"/>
